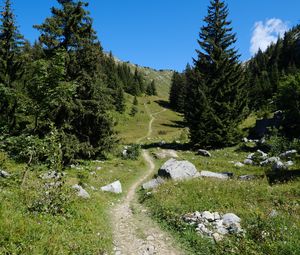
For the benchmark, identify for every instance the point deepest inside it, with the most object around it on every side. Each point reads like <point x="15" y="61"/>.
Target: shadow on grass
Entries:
<point x="168" y="146"/>
<point x="282" y="176"/>
<point x="176" y="124"/>
<point x="163" y="103"/>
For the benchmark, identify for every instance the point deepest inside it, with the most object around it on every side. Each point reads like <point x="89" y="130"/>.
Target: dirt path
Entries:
<point x="134" y="232"/>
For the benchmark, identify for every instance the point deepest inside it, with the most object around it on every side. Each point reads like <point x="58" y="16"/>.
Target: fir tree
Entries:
<point x="11" y="66"/>
<point x="70" y="28"/>
<point x="215" y="94"/>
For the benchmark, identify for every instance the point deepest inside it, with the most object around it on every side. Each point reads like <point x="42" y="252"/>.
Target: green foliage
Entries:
<point x="216" y="93"/>
<point x="288" y="100"/>
<point x="132" y="151"/>
<point x="151" y="89"/>
<point x="178" y="92"/>
<point x="265" y="69"/>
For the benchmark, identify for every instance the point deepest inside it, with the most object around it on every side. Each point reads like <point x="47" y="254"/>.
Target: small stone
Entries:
<point x="288" y="154"/>
<point x="230" y="218"/>
<point x="273" y="214"/>
<point x="216" y="216"/>
<point x="245" y="140"/>
<point x="4" y="174"/>
<point x="279" y="166"/>
<point x="248" y="162"/>
<point x="150" y="238"/>
<point x="222" y="231"/>
<point x="208" y="216"/>
<point x="269" y="161"/>
<point x="204" y="153"/>
<point x="239" y="164"/>
<point x="250" y="156"/>
<point x="217" y="237"/>
<point x="81" y="192"/>
<point x="214" y="175"/>
<point x="248" y="177"/>
<point x="262" y="154"/>
<point x="98" y="168"/>
<point x="289" y="163"/>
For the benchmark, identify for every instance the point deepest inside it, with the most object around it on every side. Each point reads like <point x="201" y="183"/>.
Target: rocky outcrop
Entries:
<point x="177" y="170"/>
<point x="52" y="175"/>
<point x="115" y="187"/>
<point x="214" y="225"/>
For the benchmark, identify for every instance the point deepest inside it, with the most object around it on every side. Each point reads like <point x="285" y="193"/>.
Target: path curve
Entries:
<point x="134" y="232"/>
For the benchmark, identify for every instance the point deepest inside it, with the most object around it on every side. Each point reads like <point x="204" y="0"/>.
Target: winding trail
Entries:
<point x="134" y="232"/>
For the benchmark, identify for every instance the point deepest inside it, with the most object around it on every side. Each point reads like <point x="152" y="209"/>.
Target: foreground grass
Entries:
<point x="251" y="201"/>
<point x="84" y="228"/>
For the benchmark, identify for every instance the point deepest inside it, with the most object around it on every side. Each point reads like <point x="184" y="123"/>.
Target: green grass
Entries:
<point x="252" y="201"/>
<point x="84" y="229"/>
<point x="165" y="127"/>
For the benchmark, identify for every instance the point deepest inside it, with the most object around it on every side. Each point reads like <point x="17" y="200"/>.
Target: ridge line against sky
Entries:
<point x="162" y="34"/>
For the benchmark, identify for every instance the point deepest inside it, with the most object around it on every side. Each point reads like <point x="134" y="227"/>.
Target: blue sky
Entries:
<point x="162" y="33"/>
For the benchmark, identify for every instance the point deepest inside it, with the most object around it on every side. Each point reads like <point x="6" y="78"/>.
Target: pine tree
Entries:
<point x="151" y="89"/>
<point x="120" y="100"/>
<point x="11" y="69"/>
<point x="178" y="92"/>
<point x="70" y="28"/>
<point x="215" y="94"/>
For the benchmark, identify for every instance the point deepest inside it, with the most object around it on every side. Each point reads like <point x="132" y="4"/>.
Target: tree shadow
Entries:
<point x="163" y="103"/>
<point x="176" y="124"/>
<point x="168" y="146"/>
<point x="282" y="176"/>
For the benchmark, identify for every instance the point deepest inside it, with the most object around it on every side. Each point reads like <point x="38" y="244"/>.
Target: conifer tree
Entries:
<point x="178" y="92"/>
<point x="215" y="93"/>
<point x="70" y="28"/>
<point x="11" y="69"/>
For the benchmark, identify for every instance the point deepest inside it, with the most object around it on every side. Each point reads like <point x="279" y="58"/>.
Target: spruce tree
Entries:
<point x="70" y="29"/>
<point x="178" y="92"/>
<point x="11" y="66"/>
<point x="215" y="94"/>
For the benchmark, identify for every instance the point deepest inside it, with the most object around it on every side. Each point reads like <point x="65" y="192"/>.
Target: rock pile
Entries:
<point x="214" y="225"/>
<point x="262" y="159"/>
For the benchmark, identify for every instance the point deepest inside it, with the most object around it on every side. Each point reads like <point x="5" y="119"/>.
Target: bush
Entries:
<point x="288" y="101"/>
<point x="132" y="152"/>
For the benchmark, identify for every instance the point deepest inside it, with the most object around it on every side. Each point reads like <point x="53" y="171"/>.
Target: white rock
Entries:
<point x="81" y="192"/>
<point x="217" y="237"/>
<point x="216" y="216"/>
<point x="262" y="154"/>
<point x="248" y="162"/>
<point x="177" y="170"/>
<point x="269" y="161"/>
<point x="153" y="183"/>
<point x="279" y="166"/>
<point x="114" y="187"/>
<point x="239" y="164"/>
<point x="204" y="153"/>
<point x="208" y="216"/>
<point x="230" y="218"/>
<point x="289" y="163"/>
<point x="4" y="174"/>
<point x="214" y="175"/>
<point x="250" y="156"/>
<point x="52" y="175"/>
<point x="288" y="154"/>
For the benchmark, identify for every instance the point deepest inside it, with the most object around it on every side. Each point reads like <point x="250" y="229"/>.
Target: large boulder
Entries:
<point x="115" y="187"/>
<point x="81" y="192"/>
<point x="4" y="174"/>
<point x="153" y="183"/>
<point x="214" y="175"/>
<point x="178" y="170"/>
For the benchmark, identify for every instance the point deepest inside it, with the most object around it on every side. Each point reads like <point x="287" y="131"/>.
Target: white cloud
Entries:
<point x="265" y="33"/>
